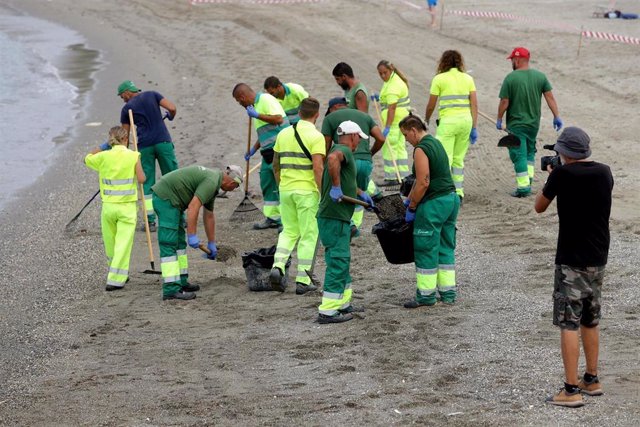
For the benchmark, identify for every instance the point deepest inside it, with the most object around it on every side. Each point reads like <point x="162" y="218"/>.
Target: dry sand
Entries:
<point x="76" y="355"/>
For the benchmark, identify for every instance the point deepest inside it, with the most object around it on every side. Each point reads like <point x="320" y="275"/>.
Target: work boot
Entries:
<point x="179" y="295"/>
<point x="564" y="398"/>
<point x="110" y="288"/>
<point x="448" y="297"/>
<point x="520" y="194"/>
<point x="267" y="223"/>
<point x="303" y="288"/>
<point x="415" y="304"/>
<point x="190" y="288"/>
<point x="591" y="388"/>
<point x="276" y="278"/>
<point x="323" y="319"/>
<point x="152" y="227"/>
<point x="351" y="309"/>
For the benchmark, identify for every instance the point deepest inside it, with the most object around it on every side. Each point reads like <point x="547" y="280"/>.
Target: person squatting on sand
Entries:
<point x="154" y="141"/>
<point x="457" y="112"/>
<point x="187" y="189"/>
<point x="520" y="97"/>
<point x="583" y="188"/>
<point x="269" y="119"/>
<point x="298" y="163"/>
<point x="433" y="207"/>
<point x="119" y="170"/>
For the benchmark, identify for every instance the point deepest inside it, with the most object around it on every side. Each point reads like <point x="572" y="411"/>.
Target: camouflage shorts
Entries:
<point x="576" y="296"/>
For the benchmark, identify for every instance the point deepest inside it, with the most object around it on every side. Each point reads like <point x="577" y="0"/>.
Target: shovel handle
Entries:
<point x="486" y="116"/>
<point x="356" y="201"/>
<point x="204" y="249"/>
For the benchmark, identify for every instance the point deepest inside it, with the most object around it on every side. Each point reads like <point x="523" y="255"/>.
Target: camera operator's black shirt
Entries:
<point x="584" y="205"/>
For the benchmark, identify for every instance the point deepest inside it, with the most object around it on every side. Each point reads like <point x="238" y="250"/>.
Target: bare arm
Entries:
<point x="473" y="100"/>
<point x="333" y="165"/>
<point x="127" y="127"/>
<point x="502" y="107"/>
<point x="276" y="166"/>
<point x="169" y="106"/>
<point x="541" y="203"/>
<point x="272" y="120"/>
<point x="192" y="215"/>
<point x="362" y="102"/>
<point x="431" y="105"/>
<point x="391" y="114"/>
<point x="328" y="142"/>
<point x="551" y="102"/>
<point x="376" y="133"/>
<point x="318" y="168"/>
<point x="140" y="173"/>
<point x="423" y="178"/>
<point x="209" y="221"/>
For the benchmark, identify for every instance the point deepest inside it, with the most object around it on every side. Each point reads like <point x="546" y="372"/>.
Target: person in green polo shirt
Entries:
<point x="354" y="91"/>
<point x="334" y="215"/>
<point x="290" y="95"/>
<point x="187" y="189"/>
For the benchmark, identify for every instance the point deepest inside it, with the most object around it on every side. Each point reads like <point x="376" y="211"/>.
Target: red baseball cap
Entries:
<point x="519" y="52"/>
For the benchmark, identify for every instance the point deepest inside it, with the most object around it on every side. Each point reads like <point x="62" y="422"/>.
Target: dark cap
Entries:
<point x="338" y="100"/>
<point x="573" y="142"/>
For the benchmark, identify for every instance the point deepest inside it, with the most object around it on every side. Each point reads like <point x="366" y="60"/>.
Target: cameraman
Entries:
<point x="583" y="188"/>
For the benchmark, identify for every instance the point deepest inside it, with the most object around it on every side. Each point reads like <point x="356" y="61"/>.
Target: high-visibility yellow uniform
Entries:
<point x="452" y="89"/>
<point x="293" y="96"/>
<point x="299" y="196"/>
<point x="117" y="169"/>
<point x="395" y="91"/>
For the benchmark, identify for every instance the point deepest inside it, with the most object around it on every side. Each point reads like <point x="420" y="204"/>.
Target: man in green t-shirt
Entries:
<point x="355" y="92"/>
<point x="520" y="98"/>
<point x="187" y="189"/>
<point x="339" y="180"/>
<point x="338" y="113"/>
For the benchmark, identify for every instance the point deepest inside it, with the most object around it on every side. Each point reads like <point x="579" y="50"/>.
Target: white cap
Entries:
<point x="235" y="173"/>
<point x="348" y="127"/>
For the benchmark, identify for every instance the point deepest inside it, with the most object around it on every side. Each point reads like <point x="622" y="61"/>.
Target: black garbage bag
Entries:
<point x="257" y="266"/>
<point x="396" y="239"/>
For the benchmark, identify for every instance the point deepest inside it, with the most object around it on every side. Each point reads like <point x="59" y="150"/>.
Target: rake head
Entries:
<point x="246" y="211"/>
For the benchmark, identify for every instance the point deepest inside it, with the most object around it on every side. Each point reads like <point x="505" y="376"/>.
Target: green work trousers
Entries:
<point x="363" y="176"/>
<point x="335" y="236"/>
<point x="165" y="154"/>
<point x="453" y="134"/>
<point x="524" y="157"/>
<point x="395" y="149"/>
<point x="173" y="246"/>
<point x="118" y="228"/>
<point x="270" y="195"/>
<point x="434" y="244"/>
<point x="298" y="209"/>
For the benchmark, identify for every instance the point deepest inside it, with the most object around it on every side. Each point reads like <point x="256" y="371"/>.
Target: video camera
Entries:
<point x="553" y="161"/>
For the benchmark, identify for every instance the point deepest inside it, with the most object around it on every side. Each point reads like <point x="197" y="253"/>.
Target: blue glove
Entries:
<point x="252" y="112"/>
<point x="367" y="199"/>
<point x="248" y="155"/>
<point x="105" y="146"/>
<point x="406" y="202"/>
<point x="410" y="215"/>
<point x="336" y="193"/>
<point x="385" y="132"/>
<point x="168" y="115"/>
<point x="214" y="250"/>
<point x="557" y="123"/>
<point x="473" y="136"/>
<point x="499" y="124"/>
<point x="193" y="241"/>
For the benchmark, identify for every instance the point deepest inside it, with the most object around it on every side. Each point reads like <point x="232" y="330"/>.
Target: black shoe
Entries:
<point x="267" y="223"/>
<point x="275" y="278"/>
<point x="190" y="288"/>
<point x="152" y="227"/>
<point x="179" y="295"/>
<point x="323" y="319"/>
<point x="352" y="309"/>
<point x="302" y="288"/>
<point x="415" y="304"/>
<point x="110" y="288"/>
<point x="520" y="194"/>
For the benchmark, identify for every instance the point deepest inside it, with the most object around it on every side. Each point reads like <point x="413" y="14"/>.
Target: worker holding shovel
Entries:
<point x="118" y="168"/>
<point x="187" y="189"/>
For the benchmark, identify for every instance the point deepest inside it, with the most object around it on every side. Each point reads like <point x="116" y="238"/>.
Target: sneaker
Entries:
<point x="110" y="288"/>
<point x="267" y="223"/>
<point x="323" y="319"/>
<point x="276" y="278"/>
<point x="190" y="288"/>
<point x="592" y="388"/>
<point x="179" y="295"/>
<point x="415" y="304"/>
<point x="564" y="398"/>
<point x="152" y="227"/>
<point x="303" y="288"/>
<point x="520" y="194"/>
<point x="352" y="309"/>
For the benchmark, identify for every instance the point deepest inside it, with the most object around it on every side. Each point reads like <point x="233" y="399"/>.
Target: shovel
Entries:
<point x="509" y="140"/>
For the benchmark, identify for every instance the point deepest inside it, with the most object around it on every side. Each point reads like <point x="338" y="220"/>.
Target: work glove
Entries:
<point x="105" y="146"/>
<point x="168" y="115"/>
<point x="406" y="202"/>
<point x="410" y="215"/>
<point x="248" y="155"/>
<point x="251" y="111"/>
<point x="193" y="241"/>
<point x="375" y="97"/>
<point x="336" y="193"/>
<point x="385" y="132"/>
<point x="214" y="251"/>
<point x="473" y="136"/>
<point x="367" y="199"/>
<point x="499" y="124"/>
<point x="557" y="123"/>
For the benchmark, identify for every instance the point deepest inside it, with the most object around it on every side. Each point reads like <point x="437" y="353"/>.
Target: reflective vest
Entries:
<point x="452" y="89"/>
<point x="117" y="170"/>
<point x="395" y="91"/>
<point x="293" y="96"/>
<point x="268" y="105"/>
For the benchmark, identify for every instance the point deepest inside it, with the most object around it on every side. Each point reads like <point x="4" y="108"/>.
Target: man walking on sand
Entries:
<point x="269" y="119"/>
<point x="290" y="95"/>
<point x="355" y="92"/>
<point x="520" y="98"/>
<point x="154" y="141"/>
<point x="583" y="188"/>
<point x="298" y="163"/>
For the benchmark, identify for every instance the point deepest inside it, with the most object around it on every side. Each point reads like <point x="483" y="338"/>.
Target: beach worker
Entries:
<point x="269" y="119"/>
<point x="520" y="97"/>
<point x="583" y="189"/>
<point x="337" y="113"/>
<point x="433" y="207"/>
<point x="334" y="215"/>
<point x="432" y="6"/>
<point x="457" y="112"/>
<point x="119" y="170"/>
<point x="187" y="189"/>
<point x="290" y="95"/>
<point x="298" y="164"/>
<point x="395" y="106"/>
<point x="354" y="91"/>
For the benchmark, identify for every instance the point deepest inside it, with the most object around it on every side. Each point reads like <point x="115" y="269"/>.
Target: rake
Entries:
<point x="388" y="185"/>
<point x="246" y="210"/>
<point x="75" y="218"/>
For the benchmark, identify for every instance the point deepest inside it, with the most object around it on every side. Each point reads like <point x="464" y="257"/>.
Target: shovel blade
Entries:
<point x="509" y="141"/>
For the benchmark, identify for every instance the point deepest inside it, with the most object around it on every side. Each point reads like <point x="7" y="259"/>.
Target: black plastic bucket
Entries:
<point x="257" y="266"/>
<point x="396" y="239"/>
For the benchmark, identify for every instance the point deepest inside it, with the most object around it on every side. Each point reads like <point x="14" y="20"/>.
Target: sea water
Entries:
<point x="37" y="105"/>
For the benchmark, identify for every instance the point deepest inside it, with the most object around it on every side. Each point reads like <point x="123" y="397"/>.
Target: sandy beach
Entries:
<point x="76" y="355"/>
